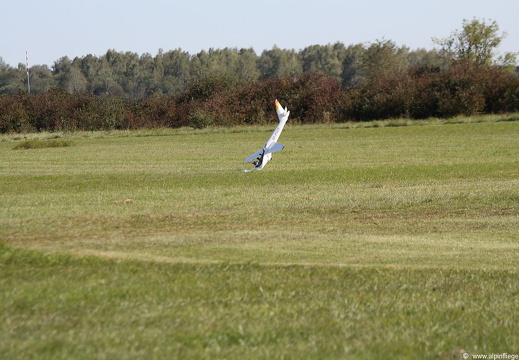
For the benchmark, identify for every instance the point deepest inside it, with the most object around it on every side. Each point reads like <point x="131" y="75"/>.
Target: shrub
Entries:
<point x="463" y="88"/>
<point x="462" y="91"/>
<point x="200" y="119"/>
<point x="13" y="117"/>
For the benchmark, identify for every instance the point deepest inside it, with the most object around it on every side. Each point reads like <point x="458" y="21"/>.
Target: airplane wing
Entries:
<point x="274" y="148"/>
<point x="254" y="156"/>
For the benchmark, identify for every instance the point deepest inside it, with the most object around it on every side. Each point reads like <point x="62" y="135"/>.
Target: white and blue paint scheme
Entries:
<point x="261" y="157"/>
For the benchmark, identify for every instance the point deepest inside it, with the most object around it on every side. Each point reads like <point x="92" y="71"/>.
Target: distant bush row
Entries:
<point x="464" y="88"/>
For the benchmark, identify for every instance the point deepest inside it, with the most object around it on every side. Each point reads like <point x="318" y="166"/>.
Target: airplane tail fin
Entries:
<point x="280" y="111"/>
<point x="275" y="147"/>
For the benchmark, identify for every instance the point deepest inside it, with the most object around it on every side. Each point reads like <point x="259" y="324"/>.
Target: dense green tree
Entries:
<point x="176" y="70"/>
<point x="68" y="76"/>
<point x="129" y="79"/>
<point x="509" y="62"/>
<point x="364" y="63"/>
<point x="383" y="56"/>
<point x="224" y="61"/>
<point x="229" y="61"/>
<point x="351" y="64"/>
<point x="90" y="66"/>
<point x="116" y="61"/>
<point x="42" y="79"/>
<point x="61" y="66"/>
<point x="147" y="83"/>
<point x="200" y="64"/>
<point x="326" y="58"/>
<point x="3" y="65"/>
<point x="425" y="58"/>
<point x="248" y="66"/>
<point x="106" y="82"/>
<point x="278" y="62"/>
<point x="12" y="80"/>
<point x="477" y="42"/>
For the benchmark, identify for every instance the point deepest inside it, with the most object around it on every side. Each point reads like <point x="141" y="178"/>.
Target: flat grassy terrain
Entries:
<point x="373" y="243"/>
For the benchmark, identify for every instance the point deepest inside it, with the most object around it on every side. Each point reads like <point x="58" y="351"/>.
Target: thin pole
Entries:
<point x="28" y="78"/>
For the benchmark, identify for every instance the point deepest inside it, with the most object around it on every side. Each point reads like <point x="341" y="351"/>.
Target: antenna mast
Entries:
<point x="28" y="78"/>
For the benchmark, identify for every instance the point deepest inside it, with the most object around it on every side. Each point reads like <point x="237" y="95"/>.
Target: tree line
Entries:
<point x="135" y="76"/>
<point x="321" y="83"/>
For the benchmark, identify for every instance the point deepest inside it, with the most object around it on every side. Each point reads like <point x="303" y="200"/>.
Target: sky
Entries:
<point x="52" y="29"/>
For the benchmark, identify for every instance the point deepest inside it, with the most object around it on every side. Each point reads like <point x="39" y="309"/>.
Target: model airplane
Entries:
<point x="261" y="157"/>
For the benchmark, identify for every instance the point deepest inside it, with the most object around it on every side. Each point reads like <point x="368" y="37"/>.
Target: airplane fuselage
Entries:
<point x="260" y="158"/>
<point x="272" y="140"/>
<point x="277" y="132"/>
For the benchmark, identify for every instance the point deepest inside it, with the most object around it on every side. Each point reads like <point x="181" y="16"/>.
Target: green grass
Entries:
<point x="394" y="241"/>
<point x="41" y="144"/>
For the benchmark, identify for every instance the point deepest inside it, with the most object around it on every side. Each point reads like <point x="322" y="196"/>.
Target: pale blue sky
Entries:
<point x="50" y="30"/>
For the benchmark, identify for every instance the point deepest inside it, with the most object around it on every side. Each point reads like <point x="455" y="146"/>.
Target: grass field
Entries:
<point x="373" y="243"/>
